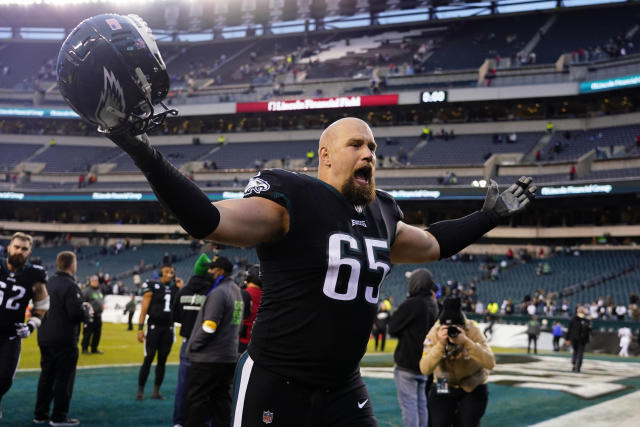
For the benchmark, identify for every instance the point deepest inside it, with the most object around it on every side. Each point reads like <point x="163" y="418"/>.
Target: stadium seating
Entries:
<point x="397" y="153"/>
<point x="177" y="154"/>
<point x="12" y="154"/>
<point x="71" y="158"/>
<point x="244" y="155"/>
<point x="451" y="45"/>
<point x="612" y="174"/>
<point x="585" y="29"/>
<point x="28" y="61"/>
<point x="470" y="42"/>
<point x="579" y="279"/>
<point x="469" y="149"/>
<point x="612" y="142"/>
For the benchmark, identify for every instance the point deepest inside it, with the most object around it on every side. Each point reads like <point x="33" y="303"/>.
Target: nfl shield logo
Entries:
<point x="113" y="24"/>
<point x="267" y="417"/>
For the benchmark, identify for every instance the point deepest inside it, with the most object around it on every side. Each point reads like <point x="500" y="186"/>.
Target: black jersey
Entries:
<point x="321" y="281"/>
<point x="16" y="289"/>
<point x="161" y="300"/>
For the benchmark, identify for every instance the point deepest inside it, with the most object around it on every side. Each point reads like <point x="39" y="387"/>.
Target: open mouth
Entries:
<point x="362" y="176"/>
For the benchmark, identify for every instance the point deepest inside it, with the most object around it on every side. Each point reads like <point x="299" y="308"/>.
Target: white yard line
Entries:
<point x="624" y="410"/>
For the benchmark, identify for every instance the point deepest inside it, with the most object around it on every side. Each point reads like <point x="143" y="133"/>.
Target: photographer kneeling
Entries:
<point x="457" y="354"/>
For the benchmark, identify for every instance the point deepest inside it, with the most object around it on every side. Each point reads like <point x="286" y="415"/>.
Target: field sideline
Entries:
<point x="524" y="389"/>
<point x="121" y="347"/>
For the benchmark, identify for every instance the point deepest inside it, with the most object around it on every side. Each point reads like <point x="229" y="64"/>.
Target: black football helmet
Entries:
<point x="111" y="73"/>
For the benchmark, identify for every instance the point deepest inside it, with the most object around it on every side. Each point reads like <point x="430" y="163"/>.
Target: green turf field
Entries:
<point x="119" y="345"/>
<point x="104" y="395"/>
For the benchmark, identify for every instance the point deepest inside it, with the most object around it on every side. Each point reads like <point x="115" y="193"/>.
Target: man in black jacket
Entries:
<point x="185" y="309"/>
<point x="578" y="335"/>
<point x="410" y="323"/>
<point x="58" y="341"/>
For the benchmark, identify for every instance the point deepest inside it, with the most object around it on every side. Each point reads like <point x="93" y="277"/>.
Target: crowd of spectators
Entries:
<point x="617" y="46"/>
<point x="539" y="302"/>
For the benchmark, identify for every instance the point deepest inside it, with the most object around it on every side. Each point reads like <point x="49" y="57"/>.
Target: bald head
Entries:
<point x="346" y="156"/>
<point x="333" y="132"/>
<point x="94" y="281"/>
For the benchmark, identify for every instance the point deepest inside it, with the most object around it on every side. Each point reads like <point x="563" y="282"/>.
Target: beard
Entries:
<point x="358" y="194"/>
<point x="17" y="261"/>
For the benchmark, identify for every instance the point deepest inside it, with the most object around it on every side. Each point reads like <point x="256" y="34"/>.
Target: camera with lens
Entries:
<point x="453" y="331"/>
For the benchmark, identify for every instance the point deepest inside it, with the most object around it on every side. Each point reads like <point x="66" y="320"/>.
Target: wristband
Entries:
<point x="34" y="323"/>
<point x="456" y="234"/>
<point x="140" y="326"/>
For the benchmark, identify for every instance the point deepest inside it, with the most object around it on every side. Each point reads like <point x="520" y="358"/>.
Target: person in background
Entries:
<point x="212" y="350"/>
<point x="185" y="310"/>
<point x="93" y="328"/>
<point x="130" y="310"/>
<point x="491" y="317"/>
<point x="157" y="297"/>
<point x="410" y="323"/>
<point x="381" y="323"/>
<point x="557" y="334"/>
<point x="24" y="281"/>
<point x="253" y="288"/>
<point x="533" y="333"/>
<point x="58" y="342"/>
<point x="625" y="339"/>
<point x="458" y="355"/>
<point x="578" y="336"/>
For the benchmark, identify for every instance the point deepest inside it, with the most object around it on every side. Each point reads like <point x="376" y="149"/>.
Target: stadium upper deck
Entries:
<point x="379" y="53"/>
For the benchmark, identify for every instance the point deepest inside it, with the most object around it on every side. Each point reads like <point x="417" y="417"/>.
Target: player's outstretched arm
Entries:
<point x="239" y="222"/>
<point x="446" y="238"/>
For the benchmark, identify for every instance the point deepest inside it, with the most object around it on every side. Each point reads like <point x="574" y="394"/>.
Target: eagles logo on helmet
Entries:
<point x="111" y="73"/>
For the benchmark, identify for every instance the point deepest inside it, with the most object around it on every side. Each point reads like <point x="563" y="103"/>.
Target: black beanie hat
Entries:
<point x="223" y="263"/>
<point x="452" y="312"/>
<point x="253" y="275"/>
<point x="421" y="281"/>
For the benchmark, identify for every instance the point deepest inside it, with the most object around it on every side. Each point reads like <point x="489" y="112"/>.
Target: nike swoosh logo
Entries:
<point x="361" y="404"/>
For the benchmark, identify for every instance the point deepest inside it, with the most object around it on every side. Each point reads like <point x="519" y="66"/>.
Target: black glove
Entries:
<point x="511" y="201"/>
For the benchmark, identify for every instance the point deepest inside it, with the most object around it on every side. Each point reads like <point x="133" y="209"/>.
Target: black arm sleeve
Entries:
<point x="193" y="209"/>
<point x="456" y="234"/>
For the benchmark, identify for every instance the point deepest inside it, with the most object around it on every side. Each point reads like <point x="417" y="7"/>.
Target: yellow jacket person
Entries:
<point x="459" y="357"/>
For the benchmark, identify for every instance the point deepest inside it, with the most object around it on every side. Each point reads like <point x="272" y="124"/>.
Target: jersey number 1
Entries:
<point x="167" y="302"/>
<point x="336" y="259"/>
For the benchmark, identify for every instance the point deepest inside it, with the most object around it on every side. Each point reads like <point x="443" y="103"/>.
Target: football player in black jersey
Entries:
<point x="325" y="245"/>
<point x="20" y="281"/>
<point x="157" y="298"/>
